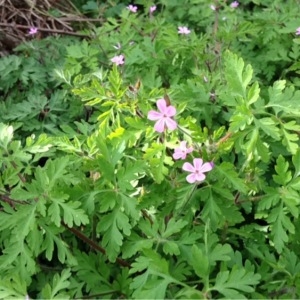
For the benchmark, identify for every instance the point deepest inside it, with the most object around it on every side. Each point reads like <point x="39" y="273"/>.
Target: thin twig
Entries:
<point x="44" y="29"/>
<point x="10" y="201"/>
<point x="22" y="178"/>
<point x="94" y="245"/>
<point x="76" y="19"/>
<point x="224" y="139"/>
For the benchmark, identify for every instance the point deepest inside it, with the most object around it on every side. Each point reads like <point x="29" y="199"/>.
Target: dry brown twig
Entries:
<point x="18" y="16"/>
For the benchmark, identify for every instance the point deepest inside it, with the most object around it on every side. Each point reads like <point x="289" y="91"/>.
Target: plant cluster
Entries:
<point x="158" y="160"/>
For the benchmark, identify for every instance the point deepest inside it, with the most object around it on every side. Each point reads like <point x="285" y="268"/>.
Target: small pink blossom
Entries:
<point x="183" y="30"/>
<point x="234" y="4"/>
<point x="213" y="7"/>
<point x="132" y="8"/>
<point x="152" y="9"/>
<point x="182" y="151"/>
<point x="33" y="30"/>
<point x="298" y="31"/>
<point x="197" y="170"/>
<point x="163" y="117"/>
<point x="118" y="59"/>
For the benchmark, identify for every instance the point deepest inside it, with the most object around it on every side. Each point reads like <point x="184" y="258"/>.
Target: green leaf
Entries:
<point x="59" y="283"/>
<point x="70" y="210"/>
<point x="284" y="99"/>
<point x="291" y="126"/>
<point x="189" y="293"/>
<point x="253" y="94"/>
<point x="199" y="261"/>
<point x="226" y="172"/>
<point x="241" y="118"/>
<point x="269" y="200"/>
<point x="52" y="237"/>
<point x="6" y="135"/>
<point x="291" y="199"/>
<point x="14" y="287"/>
<point x="158" y="170"/>
<point x="115" y="81"/>
<point x="269" y="127"/>
<point x="110" y="225"/>
<point x="171" y="248"/>
<point x="219" y="253"/>
<point x="281" y="224"/>
<point x="230" y="284"/>
<point x="135" y="243"/>
<point x="296" y="163"/>
<point x="250" y="146"/>
<point x="54" y="172"/>
<point x="284" y="176"/>
<point x="237" y="76"/>
<point x="275" y="91"/>
<point x="288" y="141"/>
<point x="108" y="201"/>
<point x="73" y="214"/>
<point x="154" y="281"/>
<point x="211" y="210"/>
<point x="128" y="174"/>
<point x="173" y="226"/>
<point x="155" y="156"/>
<point x="263" y="151"/>
<point x="129" y="204"/>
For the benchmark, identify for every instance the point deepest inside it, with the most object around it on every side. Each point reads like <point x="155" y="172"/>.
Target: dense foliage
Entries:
<point x="93" y="201"/>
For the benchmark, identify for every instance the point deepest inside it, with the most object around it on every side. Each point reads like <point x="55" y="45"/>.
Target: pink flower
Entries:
<point x="163" y="117"/>
<point x="298" y="31"/>
<point x="234" y="4"/>
<point x="118" y="59"/>
<point x="132" y="8"/>
<point x="182" y="151"/>
<point x="152" y="9"/>
<point x="197" y="170"/>
<point x="33" y="30"/>
<point x="183" y="30"/>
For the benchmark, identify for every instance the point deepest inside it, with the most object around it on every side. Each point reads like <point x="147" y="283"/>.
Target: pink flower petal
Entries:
<point x="170" y="111"/>
<point x="191" y="178"/>
<point x="182" y="145"/>
<point x="118" y="59"/>
<point x="132" y="8"/>
<point x="199" y="177"/>
<point x="234" y="4"/>
<point x="188" y="167"/>
<point x="171" y="124"/>
<point x="198" y="163"/>
<point x="183" y="30"/>
<point x="189" y="150"/>
<point x="161" y="105"/>
<point x="159" y="125"/>
<point x="178" y="155"/>
<point x="152" y="8"/>
<point x="154" y="115"/>
<point x="206" y="167"/>
<point x="163" y="117"/>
